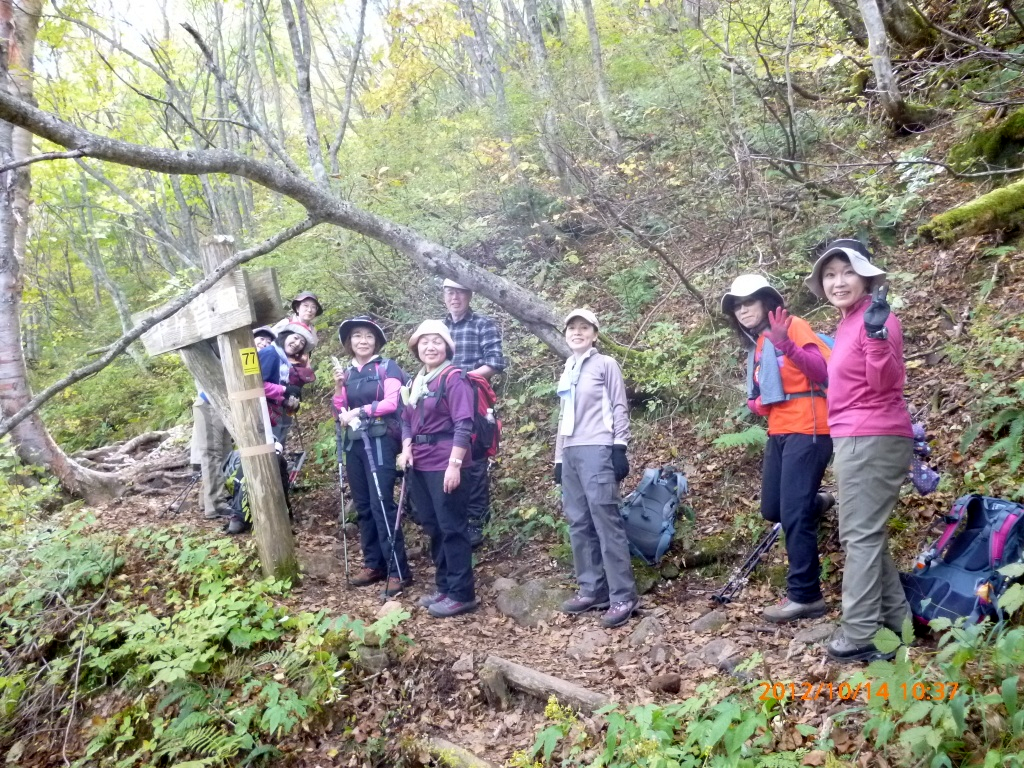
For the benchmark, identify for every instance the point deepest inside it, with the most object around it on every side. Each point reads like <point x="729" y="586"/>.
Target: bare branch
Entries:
<point x="892" y="163"/>
<point x="258" y="128"/>
<point x="40" y="158"/>
<point x="119" y="346"/>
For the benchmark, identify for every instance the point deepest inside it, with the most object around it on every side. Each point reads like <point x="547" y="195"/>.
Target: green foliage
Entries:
<point x="120" y="402"/>
<point x="753" y="439"/>
<point x="24" y="490"/>
<point x="991" y="362"/>
<point x="209" y="670"/>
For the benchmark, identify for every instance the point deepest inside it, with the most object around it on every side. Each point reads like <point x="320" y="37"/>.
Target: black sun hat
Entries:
<point x="346" y="328"/>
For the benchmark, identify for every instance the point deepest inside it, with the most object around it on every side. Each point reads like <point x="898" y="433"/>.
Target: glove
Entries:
<point x="291" y="390"/>
<point x="558" y="473"/>
<point x="620" y="463"/>
<point x="779" y="321"/>
<point x="877" y="314"/>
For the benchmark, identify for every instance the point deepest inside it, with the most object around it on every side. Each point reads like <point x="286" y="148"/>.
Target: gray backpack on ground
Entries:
<point x="649" y="513"/>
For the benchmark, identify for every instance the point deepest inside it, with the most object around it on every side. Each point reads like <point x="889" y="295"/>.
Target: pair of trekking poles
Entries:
<point x="392" y="532"/>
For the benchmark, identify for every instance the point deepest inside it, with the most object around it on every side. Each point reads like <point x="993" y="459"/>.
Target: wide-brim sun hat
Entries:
<point x="582" y="314"/>
<point x="860" y="260"/>
<point x="346" y="328"/>
<point x="452" y="284"/>
<point x="426" y="328"/>
<point x="265" y="331"/>
<point x="744" y="287"/>
<point x="301" y="331"/>
<point x="307" y="295"/>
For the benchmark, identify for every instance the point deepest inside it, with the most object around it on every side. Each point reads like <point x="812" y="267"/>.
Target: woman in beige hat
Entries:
<point x="437" y="424"/>
<point x="873" y="441"/>
<point x="590" y="462"/>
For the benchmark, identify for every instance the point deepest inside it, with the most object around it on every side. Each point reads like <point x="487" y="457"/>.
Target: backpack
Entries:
<point x="234" y="484"/>
<point x="391" y="424"/>
<point x="486" y="435"/>
<point x="959" y="575"/>
<point x="649" y="513"/>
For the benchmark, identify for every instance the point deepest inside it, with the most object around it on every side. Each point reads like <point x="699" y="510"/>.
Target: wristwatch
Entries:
<point x="881" y="335"/>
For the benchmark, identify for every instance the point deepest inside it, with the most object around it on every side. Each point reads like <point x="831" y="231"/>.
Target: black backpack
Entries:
<point x="234" y="484"/>
<point x="649" y="513"/>
<point x="958" y="576"/>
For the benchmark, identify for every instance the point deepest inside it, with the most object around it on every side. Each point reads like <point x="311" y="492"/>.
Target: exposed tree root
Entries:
<point x="498" y="675"/>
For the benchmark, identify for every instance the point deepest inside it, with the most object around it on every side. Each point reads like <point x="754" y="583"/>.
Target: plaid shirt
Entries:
<point x="477" y="342"/>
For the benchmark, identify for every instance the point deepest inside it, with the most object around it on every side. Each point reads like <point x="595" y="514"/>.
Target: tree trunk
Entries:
<point x="31" y="440"/>
<point x="902" y="114"/>
<point x="549" y="143"/>
<point x="849" y="14"/>
<point x="905" y="25"/>
<point x="603" y="99"/>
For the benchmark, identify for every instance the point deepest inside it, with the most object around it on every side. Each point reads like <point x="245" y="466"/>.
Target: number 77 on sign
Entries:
<point x="250" y="360"/>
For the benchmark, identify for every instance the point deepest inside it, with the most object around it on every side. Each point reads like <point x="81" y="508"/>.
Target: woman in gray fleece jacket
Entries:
<point x="590" y="462"/>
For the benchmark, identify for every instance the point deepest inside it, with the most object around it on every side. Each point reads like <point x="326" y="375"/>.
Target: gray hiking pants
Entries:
<point x="870" y="471"/>
<point x="211" y="442"/>
<point x="590" y="498"/>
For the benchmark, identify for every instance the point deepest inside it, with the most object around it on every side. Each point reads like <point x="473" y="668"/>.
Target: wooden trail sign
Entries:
<point x="238" y="300"/>
<point x="271" y="527"/>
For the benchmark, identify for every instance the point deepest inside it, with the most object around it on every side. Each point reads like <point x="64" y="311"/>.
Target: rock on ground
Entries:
<point x="533" y="602"/>
<point x="712" y="621"/>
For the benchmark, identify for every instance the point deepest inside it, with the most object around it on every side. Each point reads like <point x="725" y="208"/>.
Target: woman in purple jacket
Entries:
<point x="437" y="423"/>
<point x="873" y="442"/>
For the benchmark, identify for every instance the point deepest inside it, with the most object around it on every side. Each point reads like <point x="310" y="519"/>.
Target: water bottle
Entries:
<point x="490" y="416"/>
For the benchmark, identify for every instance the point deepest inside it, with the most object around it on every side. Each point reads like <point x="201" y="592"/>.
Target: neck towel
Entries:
<point x="414" y="392"/>
<point x="769" y="379"/>
<point x="567" y="389"/>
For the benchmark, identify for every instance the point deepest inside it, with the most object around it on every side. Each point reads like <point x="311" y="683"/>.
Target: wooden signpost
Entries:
<point x="226" y="313"/>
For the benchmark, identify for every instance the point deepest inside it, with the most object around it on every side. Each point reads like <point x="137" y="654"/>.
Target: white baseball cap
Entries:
<point x="452" y="284"/>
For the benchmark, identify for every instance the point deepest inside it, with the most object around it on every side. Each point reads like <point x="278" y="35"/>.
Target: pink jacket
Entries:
<point x="865" y="380"/>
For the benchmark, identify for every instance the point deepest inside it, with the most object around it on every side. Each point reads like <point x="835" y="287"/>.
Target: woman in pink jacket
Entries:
<point x="873" y="442"/>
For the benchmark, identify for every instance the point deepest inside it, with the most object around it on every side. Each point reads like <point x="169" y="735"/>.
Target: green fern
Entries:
<point x="209" y="741"/>
<point x="753" y="439"/>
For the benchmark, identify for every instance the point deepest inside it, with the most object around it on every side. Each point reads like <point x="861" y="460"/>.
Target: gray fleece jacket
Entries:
<point x="602" y="414"/>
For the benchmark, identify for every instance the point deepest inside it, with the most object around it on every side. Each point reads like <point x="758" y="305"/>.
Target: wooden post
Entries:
<point x="271" y="527"/>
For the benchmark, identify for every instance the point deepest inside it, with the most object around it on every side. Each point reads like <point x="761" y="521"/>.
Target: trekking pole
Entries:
<point x="179" y="500"/>
<point x="387" y="526"/>
<point x="739" y="578"/>
<point x="398" y="524"/>
<point x="342" y="523"/>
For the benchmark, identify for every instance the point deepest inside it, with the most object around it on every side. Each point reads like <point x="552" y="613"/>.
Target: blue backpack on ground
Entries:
<point x="649" y="513"/>
<point x="959" y="575"/>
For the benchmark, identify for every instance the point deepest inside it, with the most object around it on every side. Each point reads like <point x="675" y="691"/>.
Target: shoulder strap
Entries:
<point x="953" y="520"/>
<point x="650" y="476"/>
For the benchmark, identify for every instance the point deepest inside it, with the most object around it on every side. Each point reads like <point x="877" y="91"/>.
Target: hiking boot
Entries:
<point x="366" y="577"/>
<point x="447" y="608"/>
<point x="582" y="604"/>
<point x="395" y="586"/>
<point x="218" y="512"/>
<point x="236" y="526"/>
<point x="476" y="535"/>
<point x="428" y="600"/>
<point x="789" y="610"/>
<point x="619" y="613"/>
<point x="841" y="649"/>
<point x="824" y="502"/>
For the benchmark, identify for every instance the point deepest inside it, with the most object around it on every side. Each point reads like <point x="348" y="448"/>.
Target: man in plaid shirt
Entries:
<point x="477" y="350"/>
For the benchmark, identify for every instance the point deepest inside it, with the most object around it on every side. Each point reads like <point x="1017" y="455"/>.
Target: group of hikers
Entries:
<point x="819" y="397"/>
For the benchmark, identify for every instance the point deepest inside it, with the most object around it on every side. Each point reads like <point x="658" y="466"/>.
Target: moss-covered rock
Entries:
<point x="1001" y="145"/>
<point x="1002" y="208"/>
<point x="646" y="577"/>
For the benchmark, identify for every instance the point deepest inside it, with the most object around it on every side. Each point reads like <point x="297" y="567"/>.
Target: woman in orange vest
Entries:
<point x="786" y="380"/>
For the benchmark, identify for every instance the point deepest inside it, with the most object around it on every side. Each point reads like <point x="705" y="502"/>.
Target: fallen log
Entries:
<point x="1001" y="208"/>
<point x="499" y="672"/>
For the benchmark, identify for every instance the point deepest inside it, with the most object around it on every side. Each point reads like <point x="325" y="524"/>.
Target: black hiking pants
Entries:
<point x="443" y="517"/>
<point x="793" y="468"/>
<point x="373" y="527"/>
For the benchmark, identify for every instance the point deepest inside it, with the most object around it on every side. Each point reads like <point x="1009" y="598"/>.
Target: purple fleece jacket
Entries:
<point x="865" y="380"/>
